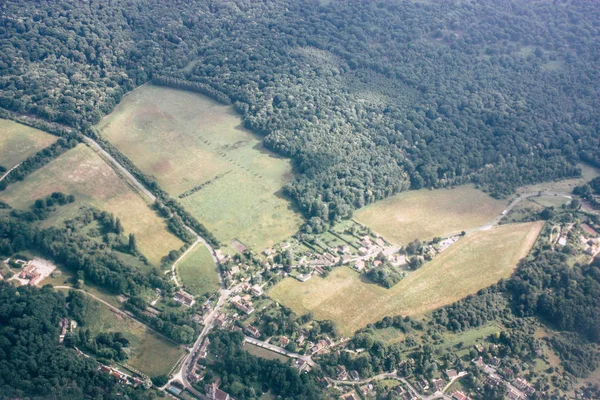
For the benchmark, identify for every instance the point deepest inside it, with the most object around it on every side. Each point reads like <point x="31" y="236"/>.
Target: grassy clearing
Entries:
<point x="18" y="142"/>
<point x="82" y="172"/>
<point x="470" y="337"/>
<point x="198" y="272"/>
<point x="475" y="262"/>
<point x="264" y="353"/>
<point x="188" y="141"/>
<point x="565" y="186"/>
<point x="424" y="214"/>
<point x="389" y="335"/>
<point x="550" y="201"/>
<point x="149" y="353"/>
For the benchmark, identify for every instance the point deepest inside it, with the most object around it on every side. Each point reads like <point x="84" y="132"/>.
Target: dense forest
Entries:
<point x="368" y="98"/>
<point x="246" y="376"/>
<point x="33" y="365"/>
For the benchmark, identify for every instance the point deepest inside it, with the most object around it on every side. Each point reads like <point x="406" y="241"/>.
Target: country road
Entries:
<point x="94" y="145"/>
<point x="8" y="172"/>
<point x="182" y="373"/>
<point x="279" y="350"/>
<point x="507" y="210"/>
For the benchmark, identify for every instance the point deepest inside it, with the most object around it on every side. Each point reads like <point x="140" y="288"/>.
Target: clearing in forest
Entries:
<point x="476" y="261"/>
<point x="199" y="153"/>
<point x="149" y="353"/>
<point x="18" y="142"/>
<point x="198" y="272"/>
<point x="84" y="174"/>
<point x="425" y="214"/>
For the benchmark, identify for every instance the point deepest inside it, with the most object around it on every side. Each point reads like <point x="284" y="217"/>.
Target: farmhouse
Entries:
<point x="214" y="393"/>
<point x="458" y="395"/>
<point x="30" y="272"/>
<point x="341" y="372"/>
<point x="184" y="298"/>
<point x="451" y="373"/>
<point x="253" y="331"/>
<point x="238" y="303"/>
<point x="302" y="365"/>
<point x="523" y="385"/>
<point x="304" y="278"/>
<point x="257" y="290"/>
<point x="284" y="341"/>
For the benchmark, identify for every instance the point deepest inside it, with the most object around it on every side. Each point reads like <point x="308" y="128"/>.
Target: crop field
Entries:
<point x="18" y="142"/>
<point x="476" y="261"/>
<point x="149" y="353"/>
<point x="200" y="154"/>
<point x="425" y="214"/>
<point x="198" y="272"/>
<point x="82" y="172"/>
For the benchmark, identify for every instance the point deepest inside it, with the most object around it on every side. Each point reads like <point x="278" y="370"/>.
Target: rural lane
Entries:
<point x="8" y="172"/>
<point x="92" y="143"/>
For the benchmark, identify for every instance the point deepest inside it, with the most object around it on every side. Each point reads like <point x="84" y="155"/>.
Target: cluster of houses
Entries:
<point x="321" y="346"/>
<point x="343" y="375"/>
<point x="518" y="389"/>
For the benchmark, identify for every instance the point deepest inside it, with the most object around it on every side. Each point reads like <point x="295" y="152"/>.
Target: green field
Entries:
<point x="475" y="262"/>
<point x="188" y="141"/>
<point x="198" y="272"/>
<point x="425" y="214"/>
<point x="18" y="142"/>
<point x="81" y="172"/>
<point x="150" y="353"/>
<point x="264" y="353"/>
<point x="566" y="185"/>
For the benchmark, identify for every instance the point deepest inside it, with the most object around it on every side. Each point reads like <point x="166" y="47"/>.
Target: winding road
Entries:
<point x="182" y="373"/>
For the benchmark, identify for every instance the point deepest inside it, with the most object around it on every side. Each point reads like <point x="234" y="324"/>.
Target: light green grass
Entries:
<point x="149" y="353"/>
<point x="475" y="262"/>
<point x="264" y="353"/>
<point x="198" y="272"/>
<point x="424" y="214"/>
<point x="470" y="337"/>
<point x="389" y="335"/>
<point x="18" y="142"/>
<point x="566" y="185"/>
<point x="81" y="172"/>
<point x="185" y="140"/>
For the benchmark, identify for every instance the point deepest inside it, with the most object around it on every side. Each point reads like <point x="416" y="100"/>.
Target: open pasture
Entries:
<point x="566" y="185"/>
<point x="199" y="153"/>
<point x="198" y="272"/>
<point x="476" y="261"/>
<point x="83" y="173"/>
<point x="18" y="142"/>
<point x="425" y="214"/>
<point x="149" y="353"/>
